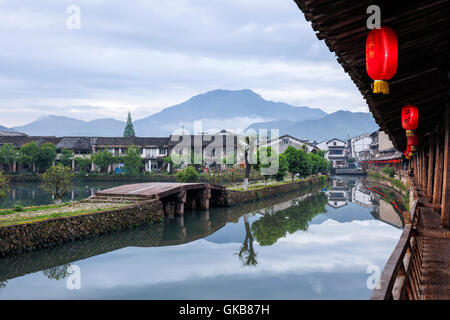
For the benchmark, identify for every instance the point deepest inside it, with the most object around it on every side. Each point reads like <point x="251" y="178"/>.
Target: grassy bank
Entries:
<point x="261" y="184"/>
<point x="40" y="213"/>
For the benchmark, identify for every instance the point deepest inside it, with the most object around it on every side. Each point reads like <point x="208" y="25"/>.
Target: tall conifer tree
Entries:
<point x="129" y="129"/>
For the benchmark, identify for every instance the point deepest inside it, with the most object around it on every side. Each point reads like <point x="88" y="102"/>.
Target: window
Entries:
<point x="162" y="151"/>
<point x="285" y="141"/>
<point x="334" y="143"/>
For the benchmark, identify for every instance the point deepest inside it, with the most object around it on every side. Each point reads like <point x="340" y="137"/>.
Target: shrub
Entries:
<point x="389" y="171"/>
<point x="18" y="207"/>
<point x="188" y="174"/>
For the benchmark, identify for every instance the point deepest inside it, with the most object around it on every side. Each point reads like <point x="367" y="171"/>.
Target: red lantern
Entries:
<point x="413" y="141"/>
<point x="381" y="57"/>
<point x="409" y="151"/>
<point x="410" y="118"/>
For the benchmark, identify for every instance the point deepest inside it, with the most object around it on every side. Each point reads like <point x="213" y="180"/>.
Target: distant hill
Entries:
<point x="218" y="109"/>
<point x="222" y="109"/>
<point x="2" y="128"/>
<point x="340" y="124"/>
<point x="64" y="126"/>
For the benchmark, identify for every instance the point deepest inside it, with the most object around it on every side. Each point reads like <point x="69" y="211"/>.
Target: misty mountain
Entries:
<point x="2" y="128"/>
<point x="221" y="109"/>
<point x="340" y="124"/>
<point x="64" y="126"/>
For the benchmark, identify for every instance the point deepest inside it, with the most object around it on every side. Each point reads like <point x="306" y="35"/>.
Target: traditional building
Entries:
<point x="336" y="153"/>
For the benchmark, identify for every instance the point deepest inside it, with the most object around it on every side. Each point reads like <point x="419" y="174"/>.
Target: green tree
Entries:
<point x="83" y="164"/>
<point x="8" y="155"/>
<point x="298" y="162"/>
<point x="66" y="157"/>
<point x="103" y="159"/>
<point x="129" y="129"/>
<point x="132" y="160"/>
<point x="57" y="180"/>
<point x="46" y="156"/>
<point x="4" y="186"/>
<point x="29" y="154"/>
<point x="188" y="174"/>
<point x="282" y="168"/>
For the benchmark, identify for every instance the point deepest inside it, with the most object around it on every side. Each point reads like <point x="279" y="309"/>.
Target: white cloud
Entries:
<point x="153" y="54"/>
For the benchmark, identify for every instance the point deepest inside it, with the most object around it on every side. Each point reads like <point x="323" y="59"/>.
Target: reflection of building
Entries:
<point x="361" y="197"/>
<point x="337" y="194"/>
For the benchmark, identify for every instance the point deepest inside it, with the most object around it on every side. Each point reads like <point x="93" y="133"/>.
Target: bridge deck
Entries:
<point x="155" y="189"/>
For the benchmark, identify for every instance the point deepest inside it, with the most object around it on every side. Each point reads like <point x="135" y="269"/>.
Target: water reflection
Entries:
<point x="299" y="245"/>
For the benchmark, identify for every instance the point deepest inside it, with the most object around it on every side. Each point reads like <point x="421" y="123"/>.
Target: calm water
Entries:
<point x="312" y="244"/>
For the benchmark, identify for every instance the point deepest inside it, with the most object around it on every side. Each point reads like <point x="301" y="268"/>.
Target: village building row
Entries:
<point x="154" y="149"/>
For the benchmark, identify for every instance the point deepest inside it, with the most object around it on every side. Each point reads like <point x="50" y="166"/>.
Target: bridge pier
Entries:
<point x="181" y="200"/>
<point x="205" y="195"/>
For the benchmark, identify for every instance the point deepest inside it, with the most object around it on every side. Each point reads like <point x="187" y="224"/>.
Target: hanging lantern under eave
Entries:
<point x="381" y="57"/>
<point x="410" y="118"/>
<point x="413" y="141"/>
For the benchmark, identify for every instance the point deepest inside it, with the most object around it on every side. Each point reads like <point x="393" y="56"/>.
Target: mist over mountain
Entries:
<point x="222" y="109"/>
<point x="340" y="124"/>
<point x="65" y="126"/>
<point x="2" y="128"/>
<point x="218" y="109"/>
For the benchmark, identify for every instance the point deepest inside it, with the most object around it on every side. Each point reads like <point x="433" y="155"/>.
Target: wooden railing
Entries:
<point x="401" y="276"/>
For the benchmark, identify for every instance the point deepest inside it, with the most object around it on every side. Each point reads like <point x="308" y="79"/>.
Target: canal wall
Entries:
<point x="47" y="233"/>
<point x="41" y="234"/>
<point x="237" y="197"/>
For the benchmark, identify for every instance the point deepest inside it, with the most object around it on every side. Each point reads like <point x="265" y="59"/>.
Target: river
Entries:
<point x="319" y="243"/>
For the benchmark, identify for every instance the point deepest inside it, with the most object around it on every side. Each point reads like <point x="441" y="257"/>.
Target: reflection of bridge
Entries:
<point x="175" y="231"/>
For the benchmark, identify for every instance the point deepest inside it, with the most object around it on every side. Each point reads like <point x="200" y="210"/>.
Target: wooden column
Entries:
<point x="445" y="206"/>
<point x="424" y="169"/>
<point x="438" y="168"/>
<point x="431" y="151"/>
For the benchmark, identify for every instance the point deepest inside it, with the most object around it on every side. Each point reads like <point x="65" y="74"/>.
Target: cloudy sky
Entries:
<point x="145" y="55"/>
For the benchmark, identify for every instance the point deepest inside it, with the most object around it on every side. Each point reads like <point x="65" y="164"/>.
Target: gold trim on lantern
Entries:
<point x="380" y="86"/>
<point x="409" y="133"/>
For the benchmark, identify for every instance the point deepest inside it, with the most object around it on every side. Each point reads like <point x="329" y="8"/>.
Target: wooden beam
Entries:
<point x="445" y="208"/>
<point x="431" y="151"/>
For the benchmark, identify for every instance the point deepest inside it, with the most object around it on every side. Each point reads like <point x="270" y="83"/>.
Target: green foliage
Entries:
<point x="298" y="162"/>
<point x="29" y="153"/>
<point x="46" y="156"/>
<point x="389" y="171"/>
<point x="4" y="186"/>
<point x="57" y="273"/>
<point x="271" y="227"/>
<point x="129" y="129"/>
<point x="84" y="164"/>
<point x="103" y="159"/>
<point x="57" y="181"/>
<point x="282" y="168"/>
<point x="188" y="174"/>
<point x="8" y="154"/>
<point x="132" y="161"/>
<point x="18" y="207"/>
<point x="66" y="157"/>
